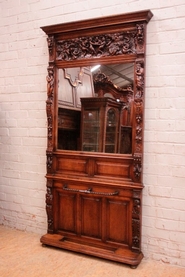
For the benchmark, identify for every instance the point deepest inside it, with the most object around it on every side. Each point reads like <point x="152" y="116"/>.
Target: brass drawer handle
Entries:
<point x="90" y="191"/>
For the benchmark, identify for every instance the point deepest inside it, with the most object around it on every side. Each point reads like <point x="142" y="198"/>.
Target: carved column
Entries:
<point x="50" y="102"/>
<point x="49" y="205"/>
<point x="136" y="221"/>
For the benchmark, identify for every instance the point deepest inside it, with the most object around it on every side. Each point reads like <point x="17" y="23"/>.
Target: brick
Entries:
<point x="160" y="191"/>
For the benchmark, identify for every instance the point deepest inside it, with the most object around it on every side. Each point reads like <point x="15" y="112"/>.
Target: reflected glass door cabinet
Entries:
<point x="94" y="165"/>
<point x="100" y="124"/>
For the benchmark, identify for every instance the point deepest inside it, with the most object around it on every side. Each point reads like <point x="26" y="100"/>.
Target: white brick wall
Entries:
<point x="24" y="57"/>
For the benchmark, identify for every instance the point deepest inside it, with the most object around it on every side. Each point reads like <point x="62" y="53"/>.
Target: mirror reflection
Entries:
<point x="95" y="108"/>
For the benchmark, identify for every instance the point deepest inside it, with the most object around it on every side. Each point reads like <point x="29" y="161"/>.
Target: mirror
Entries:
<point x="95" y="108"/>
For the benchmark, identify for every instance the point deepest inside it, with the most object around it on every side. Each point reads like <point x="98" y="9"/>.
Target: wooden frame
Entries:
<point x="72" y="176"/>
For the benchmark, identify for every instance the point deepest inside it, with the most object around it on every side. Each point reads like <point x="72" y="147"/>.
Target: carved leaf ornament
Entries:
<point x="95" y="46"/>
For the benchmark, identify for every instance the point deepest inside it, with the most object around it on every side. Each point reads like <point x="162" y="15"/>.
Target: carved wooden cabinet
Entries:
<point x="94" y="149"/>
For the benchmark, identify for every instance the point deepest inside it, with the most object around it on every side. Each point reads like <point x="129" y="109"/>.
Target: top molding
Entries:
<point x="113" y="21"/>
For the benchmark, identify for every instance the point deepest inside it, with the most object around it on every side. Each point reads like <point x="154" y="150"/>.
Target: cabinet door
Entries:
<point x="118" y="219"/>
<point x="104" y="218"/>
<point x="91" y="130"/>
<point x="91" y="216"/>
<point x="65" y="215"/>
<point x="112" y="122"/>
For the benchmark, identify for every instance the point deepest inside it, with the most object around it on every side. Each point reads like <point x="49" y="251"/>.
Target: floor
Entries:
<point x="22" y="255"/>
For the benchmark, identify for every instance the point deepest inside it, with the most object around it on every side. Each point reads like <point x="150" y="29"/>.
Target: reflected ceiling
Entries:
<point x="120" y="74"/>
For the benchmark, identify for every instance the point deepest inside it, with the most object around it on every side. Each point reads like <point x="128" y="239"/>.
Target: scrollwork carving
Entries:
<point x="139" y="71"/>
<point x="50" y="82"/>
<point x="139" y="126"/>
<point x="50" y="40"/>
<point x="136" y="214"/>
<point x="49" y="104"/>
<point x="50" y="123"/>
<point x="140" y="37"/>
<point x="49" y="160"/>
<point x="96" y="46"/>
<point x="49" y="209"/>
<point x="138" y="134"/>
<point x="137" y="167"/>
<point x="135" y="234"/>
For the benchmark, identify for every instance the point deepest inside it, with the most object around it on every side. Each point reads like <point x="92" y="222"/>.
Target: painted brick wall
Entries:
<point x="24" y="57"/>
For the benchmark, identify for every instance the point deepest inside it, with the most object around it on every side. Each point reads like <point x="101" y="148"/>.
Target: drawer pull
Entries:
<point x="90" y="191"/>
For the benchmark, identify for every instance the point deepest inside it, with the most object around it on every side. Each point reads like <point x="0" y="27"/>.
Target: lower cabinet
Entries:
<point x="95" y="219"/>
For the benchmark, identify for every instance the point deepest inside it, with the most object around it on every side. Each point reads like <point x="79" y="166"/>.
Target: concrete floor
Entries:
<point x="21" y="255"/>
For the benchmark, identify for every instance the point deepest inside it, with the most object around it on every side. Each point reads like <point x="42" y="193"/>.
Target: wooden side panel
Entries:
<point x="91" y="216"/>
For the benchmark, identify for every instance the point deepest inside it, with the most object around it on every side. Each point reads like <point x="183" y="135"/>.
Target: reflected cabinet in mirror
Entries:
<point x="95" y="104"/>
<point x="111" y="80"/>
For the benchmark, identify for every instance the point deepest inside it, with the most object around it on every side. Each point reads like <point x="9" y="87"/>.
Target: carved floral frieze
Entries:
<point x="99" y="45"/>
